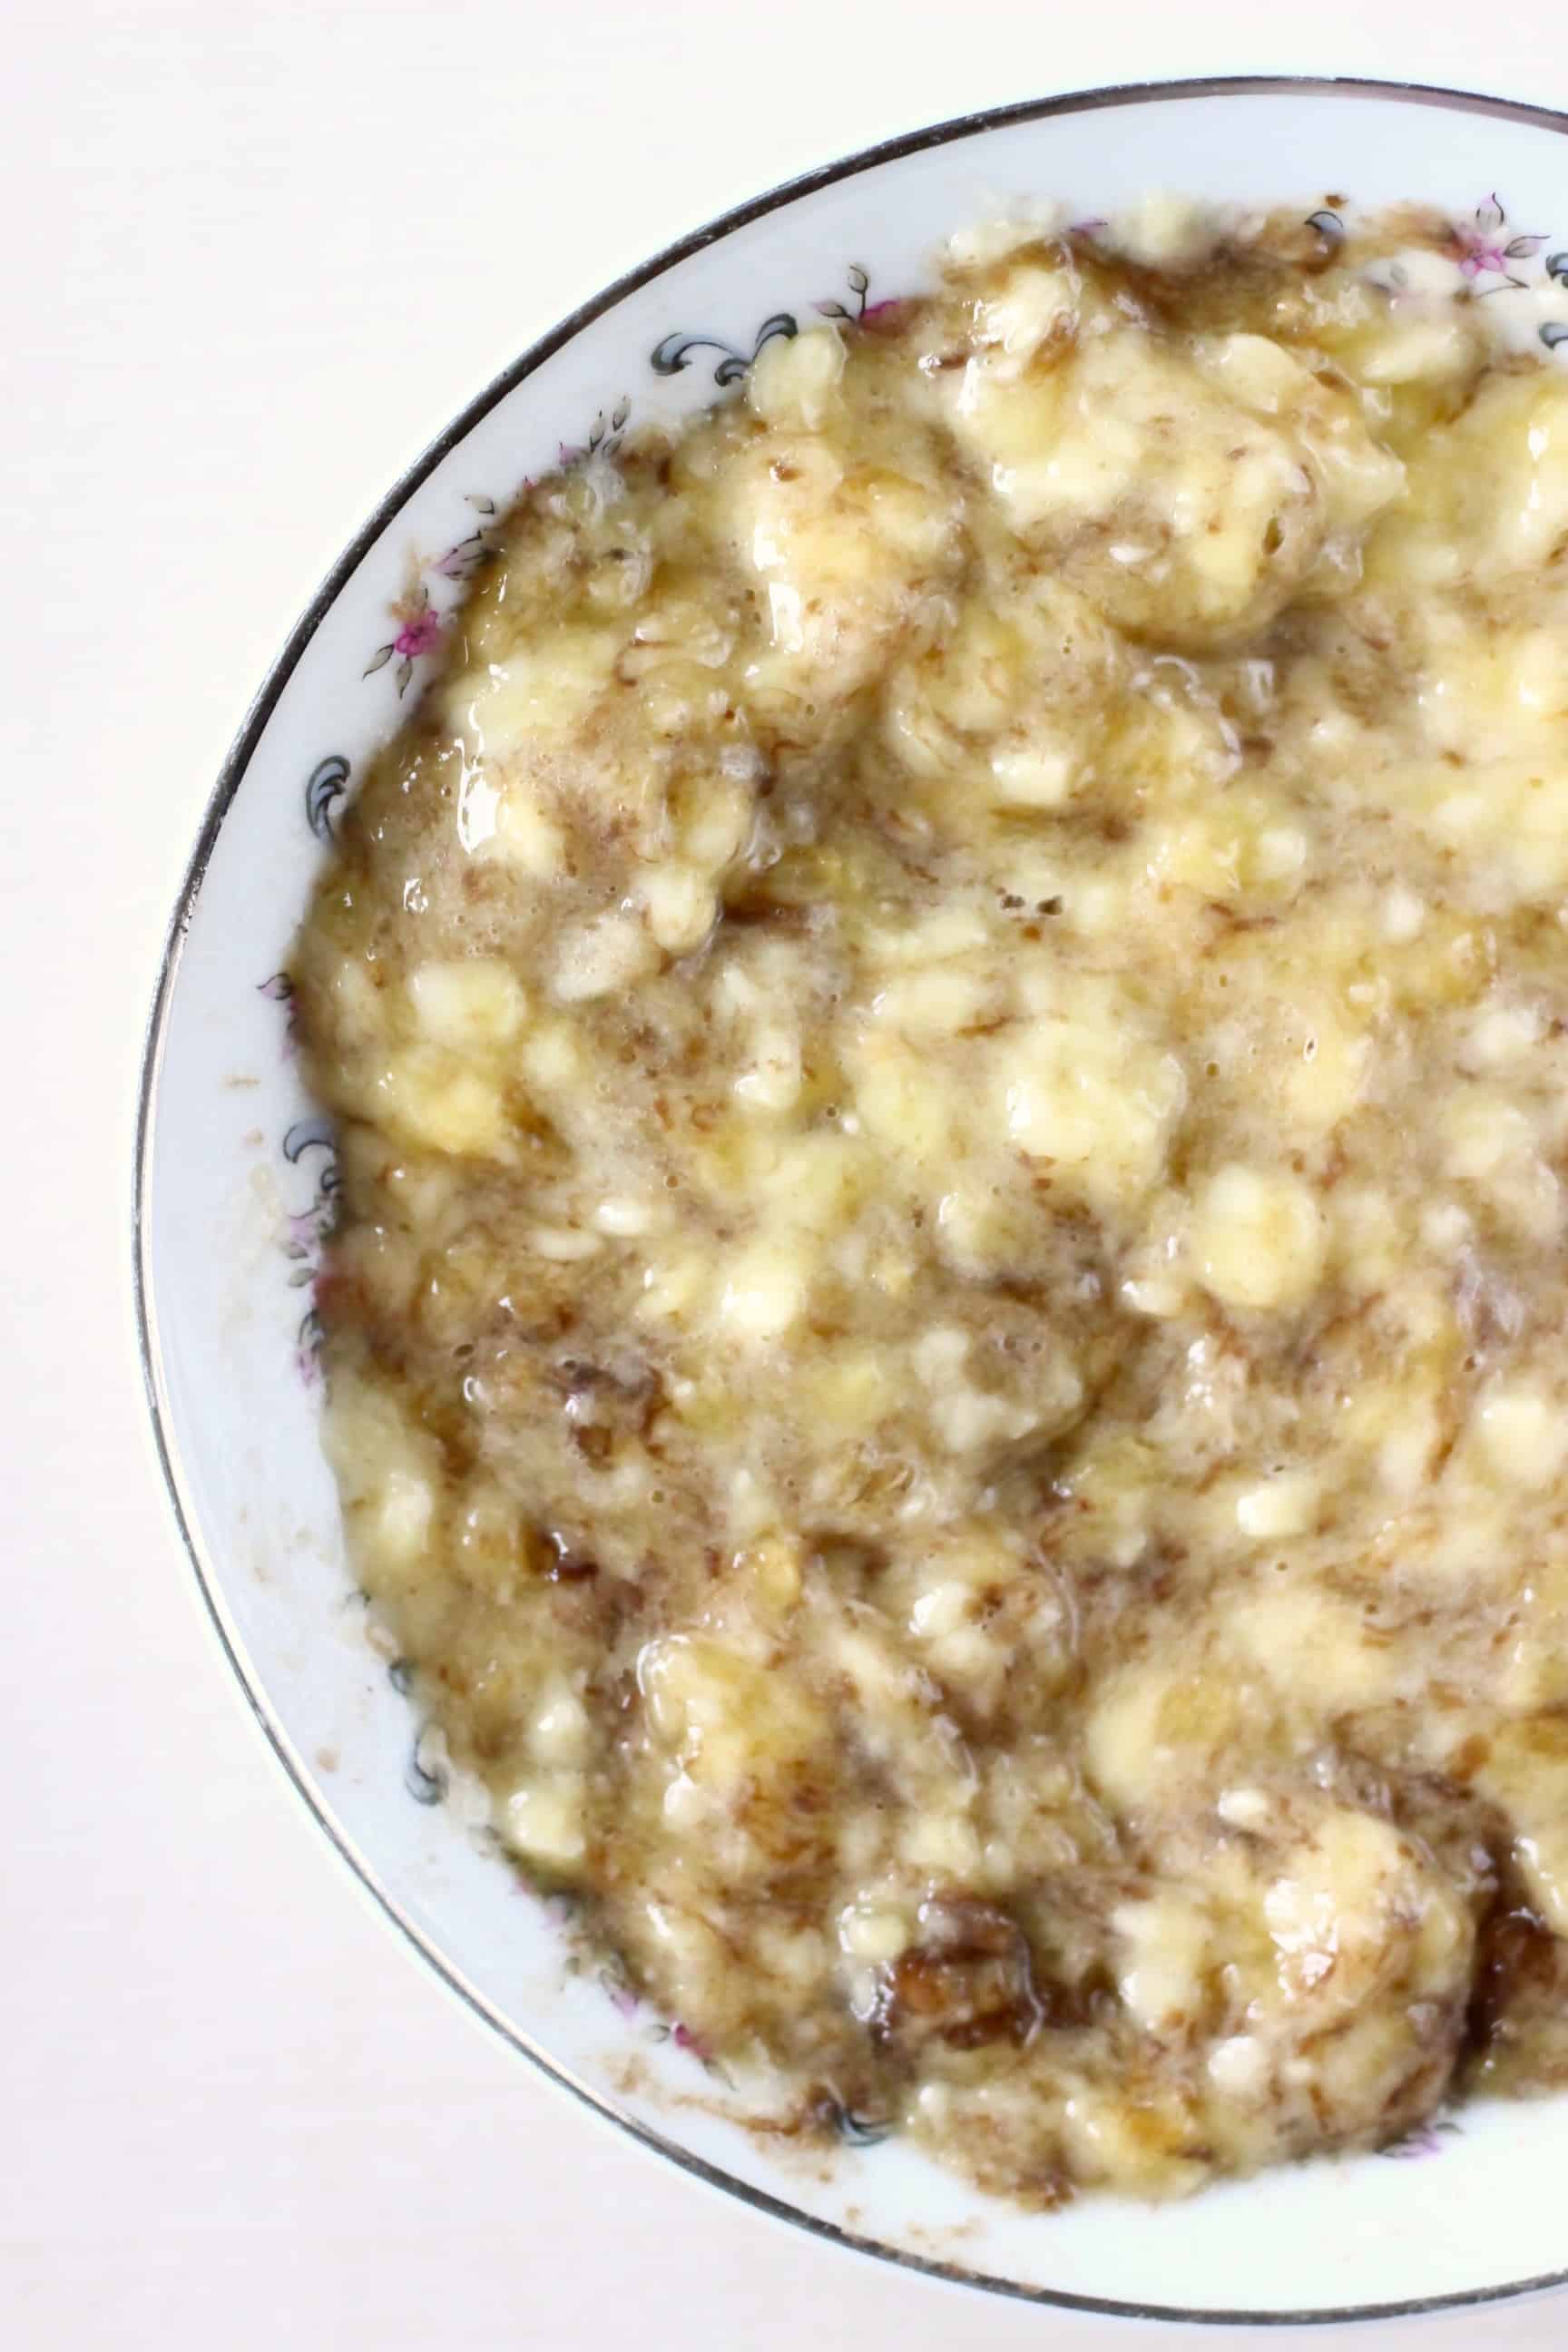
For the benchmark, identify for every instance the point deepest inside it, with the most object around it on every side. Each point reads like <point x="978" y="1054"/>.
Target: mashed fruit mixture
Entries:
<point x="948" y="1352"/>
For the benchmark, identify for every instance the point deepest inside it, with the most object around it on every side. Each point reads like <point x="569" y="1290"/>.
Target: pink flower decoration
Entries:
<point x="417" y="636"/>
<point x="1484" y="253"/>
<point x="1480" y="257"/>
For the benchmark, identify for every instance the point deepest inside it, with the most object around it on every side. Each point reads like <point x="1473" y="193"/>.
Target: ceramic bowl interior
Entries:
<point x="236" y="1188"/>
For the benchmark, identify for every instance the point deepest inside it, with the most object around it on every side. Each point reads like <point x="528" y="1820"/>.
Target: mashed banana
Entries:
<point x="946" y="1351"/>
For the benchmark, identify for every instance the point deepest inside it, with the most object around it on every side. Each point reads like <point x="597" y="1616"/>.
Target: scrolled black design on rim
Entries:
<point x="314" y="1133"/>
<point x="328" y="781"/>
<point x="672" y="355"/>
<point x="861" y="2131"/>
<point x="307" y="1232"/>
<point x="859" y="283"/>
<point x="426" y="1788"/>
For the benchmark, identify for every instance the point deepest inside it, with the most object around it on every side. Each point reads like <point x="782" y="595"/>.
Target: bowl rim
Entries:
<point x="231" y="776"/>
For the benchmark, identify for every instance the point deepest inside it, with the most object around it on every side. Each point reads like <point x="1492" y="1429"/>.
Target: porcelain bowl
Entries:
<point x="235" y="1187"/>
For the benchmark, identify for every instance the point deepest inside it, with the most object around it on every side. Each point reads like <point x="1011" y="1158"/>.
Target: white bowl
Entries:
<point x="236" y="1183"/>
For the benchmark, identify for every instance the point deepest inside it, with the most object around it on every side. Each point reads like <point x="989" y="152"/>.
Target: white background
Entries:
<point x="251" y="259"/>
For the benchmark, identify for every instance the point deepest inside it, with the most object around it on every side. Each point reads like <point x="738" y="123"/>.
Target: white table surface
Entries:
<point x="252" y="258"/>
